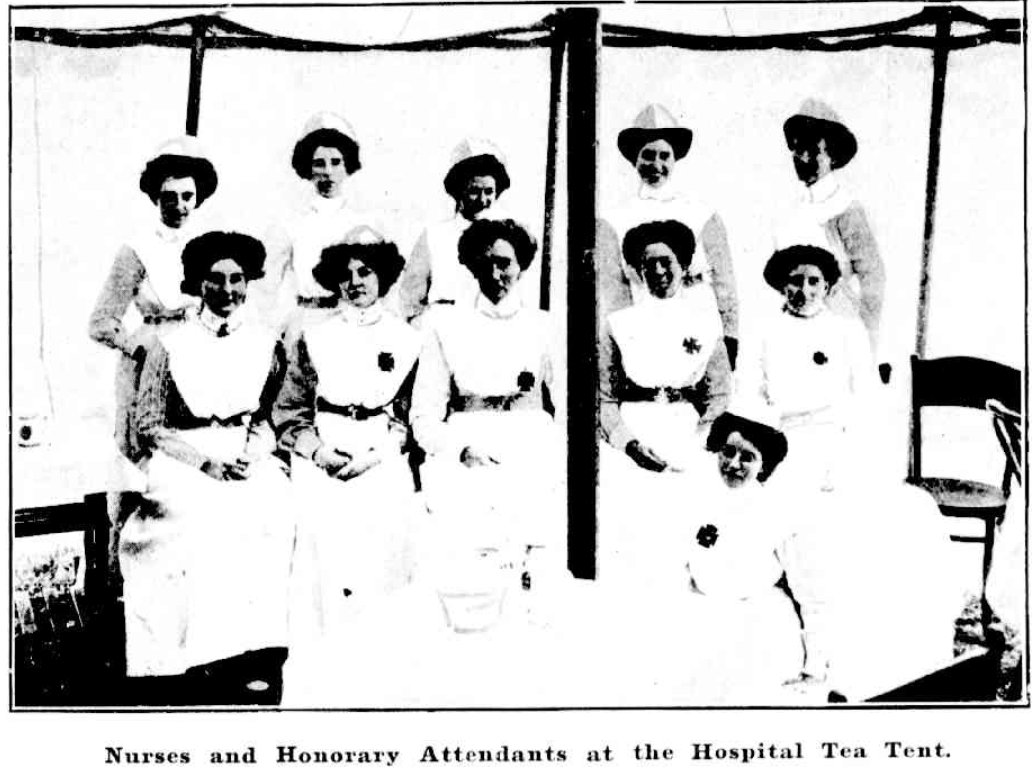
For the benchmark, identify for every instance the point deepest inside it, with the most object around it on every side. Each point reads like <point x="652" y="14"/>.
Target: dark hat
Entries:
<point x="767" y="438"/>
<point x="654" y="122"/>
<point x="784" y="260"/>
<point x="179" y="158"/>
<point x="362" y="243"/>
<point x="816" y="120"/>
<point x="473" y="157"/>
<point x="325" y="129"/>
<point x="205" y="250"/>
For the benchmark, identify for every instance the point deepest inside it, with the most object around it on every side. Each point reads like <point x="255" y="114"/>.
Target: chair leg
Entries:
<point x="988" y="553"/>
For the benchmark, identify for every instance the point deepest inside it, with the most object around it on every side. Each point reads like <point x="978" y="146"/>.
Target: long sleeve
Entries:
<point x="430" y="396"/>
<point x="119" y="290"/>
<point x="294" y="410"/>
<point x="716" y="385"/>
<point x="714" y="241"/>
<point x="613" y="284"/>
<point x="852" y="231"/>
<point x="414" y="285"/>
<point x="611" y="374"/>
<point x="156" y="396"/>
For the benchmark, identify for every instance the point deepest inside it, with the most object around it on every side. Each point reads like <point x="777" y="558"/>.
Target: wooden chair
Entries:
<point x="963" y="382"/>
<point x="1008" y="426"/>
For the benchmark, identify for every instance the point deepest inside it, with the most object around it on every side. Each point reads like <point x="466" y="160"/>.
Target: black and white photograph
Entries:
<point x="518" y="357"/>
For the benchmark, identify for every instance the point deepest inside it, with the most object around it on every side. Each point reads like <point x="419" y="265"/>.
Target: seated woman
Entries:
<point x="343" y="413"/>
<point x="664" y="376"/>
<point x="482" y="409"/>
<point x="206" y="570"/>
<point x="812" y="366"/>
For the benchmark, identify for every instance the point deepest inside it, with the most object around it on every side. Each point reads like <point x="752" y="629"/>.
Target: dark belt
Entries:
<point x="196" y="423"/>
<point x="661" y="394"/>
<point x="497" y="402"/>
<point x="327" y="301"/>
<point x="357" y="412"/>
<point x="177" y="314"/>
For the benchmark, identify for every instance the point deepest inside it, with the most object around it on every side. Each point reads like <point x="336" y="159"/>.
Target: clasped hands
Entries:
<point x="343" y="465"/>
<point x="643" y="456"/>
<point x="236" y="470"/>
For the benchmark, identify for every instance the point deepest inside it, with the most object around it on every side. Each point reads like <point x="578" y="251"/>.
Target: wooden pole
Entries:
<point x="551" y="152"/>
<point x="583" y="37"/>
<point x="200" y="28"/>
<point x="940" y="55"/>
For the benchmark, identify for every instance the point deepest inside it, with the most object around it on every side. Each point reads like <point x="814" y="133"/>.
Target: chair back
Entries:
<point x="1008" y="426"/>
<point x="957" y="382"/>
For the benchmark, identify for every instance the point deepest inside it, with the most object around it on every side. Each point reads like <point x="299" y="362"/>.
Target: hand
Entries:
<point x="358" y="465"/>
<point x="330" y="460"/>
<point x="472" y="456"/>
<point x="226" y="471"/>
<point x="646" y="458"/>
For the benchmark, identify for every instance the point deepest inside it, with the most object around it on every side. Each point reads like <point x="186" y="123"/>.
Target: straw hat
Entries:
<point x="325" y="129"/>
<point x="475" y="156"/>
<point x="817" y="119"/>
<point x="654" y="122"/>
<point x="179" y="157"/>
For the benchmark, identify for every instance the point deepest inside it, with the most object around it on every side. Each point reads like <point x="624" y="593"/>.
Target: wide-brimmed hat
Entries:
<point x="815" y="119"/>
<point x="361" y="242"/>
<point x="325" y="129"/>
<point x="654" y="122"/>
<point x="179" y="158"/>
<point x="205" y="250"/>
<point x="471" y="157"/>
<point x="784" y="260"/>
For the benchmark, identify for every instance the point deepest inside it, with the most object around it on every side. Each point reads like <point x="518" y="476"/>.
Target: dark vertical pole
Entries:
<point x="581" y="26"/>
<point x="200" y="27"/>
<point x="551" y="152"/>
<point x="940" y="55"/>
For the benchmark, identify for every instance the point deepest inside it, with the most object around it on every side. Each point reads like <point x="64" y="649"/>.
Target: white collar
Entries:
<point x="323" y="205"/>
<point x="168" y="234"/>
<point x="823" y="189"/>
<point x="792" y="314"/>
<point x="361" y="317"/>
<point x="664" y="193"/>
<point x="215" y="324"/>
<point x="507" y="308"/>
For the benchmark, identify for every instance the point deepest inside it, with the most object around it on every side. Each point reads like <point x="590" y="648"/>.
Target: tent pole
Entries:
<point x="583" y="36"/>
<point x="200" y="28"/>
<point x="551" y="152"/>
<point x="941" y="51"/>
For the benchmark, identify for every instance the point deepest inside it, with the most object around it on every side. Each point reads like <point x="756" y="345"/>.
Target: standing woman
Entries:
<point x="206" y="568"/>
<point x="326" y="155"/>
<point x="812" y="365"/>
<point x="482" y="409"/>
<point x="664" y="377"/>
<point x="147" y="273"/>
<point x="476" y="178"/>
<point x="343" y="412"/>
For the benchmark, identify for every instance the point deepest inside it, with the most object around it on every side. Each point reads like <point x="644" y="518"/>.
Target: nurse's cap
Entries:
<point x="325" y="125"/>
<point x="816" y="119"/>
<point x="784" y="260"/>
<point x="654" y="122"/>
<point x="183" y="155"/>
<point x="475" y="156"/>
<point x="363" y="235"/>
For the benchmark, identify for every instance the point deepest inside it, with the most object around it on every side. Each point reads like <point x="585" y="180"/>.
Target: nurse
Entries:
<point x="476" y="179"/>
<point x="206" y="560"/>
<point x="343" y="413"/>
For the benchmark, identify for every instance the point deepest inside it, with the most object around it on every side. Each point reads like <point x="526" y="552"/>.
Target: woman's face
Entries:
<point x="498" y="271"/>
<point x="810" y="159"/>
<point x="224" y="287"/>
<point x="360" y="286"/>
<point x="177" y="199"/>
<point x="655" y="162"/>
<point x="738" y="461"/>
<point x="660" y="270"/>
<point x="477" y="196"/>
<point x="805" y="290"/>
<point x="328" y="171"/>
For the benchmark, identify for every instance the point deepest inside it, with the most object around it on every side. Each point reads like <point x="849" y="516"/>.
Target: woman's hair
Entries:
<point x="481" y="165"/>
<point x="301" y="160"/>
<point x="784" y="260"/>
<point x="382" y="258"/>
<point x="673" y="234"/>
<point x="772" y="444"/>
<point x="167" y="166"/>
<point x="205" y="250"/>
<point x="481" y="234"/>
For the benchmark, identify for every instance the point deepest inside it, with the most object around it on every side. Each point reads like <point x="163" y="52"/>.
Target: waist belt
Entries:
<point x="661" y="394"/>
<point x="497" y="402"/>
<point x="357" y="412"/>
<point x="196" y="423"/>
<point x="177" y="314"/>
<point x="324" y="301"/>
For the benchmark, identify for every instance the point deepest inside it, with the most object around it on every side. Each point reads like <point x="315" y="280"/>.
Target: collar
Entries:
<point x="665" y="192"/>
<point x="323" y="205"/>
<point x="168" y="234"/>
<point x="817" y="312"/>
<point x="823" y="189"/>
<point x="219" y="325"/>
<point x="361" y="317"/>
<point x="508" y="308"/>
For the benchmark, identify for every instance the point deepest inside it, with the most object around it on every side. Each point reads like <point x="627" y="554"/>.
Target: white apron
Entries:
<point x="206" y="567"/>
